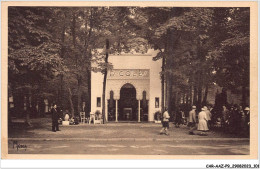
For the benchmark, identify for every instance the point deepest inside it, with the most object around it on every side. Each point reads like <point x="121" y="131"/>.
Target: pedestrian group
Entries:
<point x="232" y="120"/>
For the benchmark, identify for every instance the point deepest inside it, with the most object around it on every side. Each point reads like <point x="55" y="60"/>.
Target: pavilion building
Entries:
<point x="133" y="88"/>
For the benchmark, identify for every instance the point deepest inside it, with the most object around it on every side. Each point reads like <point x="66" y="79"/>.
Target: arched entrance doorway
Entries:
<point x="127" y="104"/>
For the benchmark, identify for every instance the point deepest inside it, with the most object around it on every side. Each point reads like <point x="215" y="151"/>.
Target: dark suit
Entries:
<point x="55" y="117"/>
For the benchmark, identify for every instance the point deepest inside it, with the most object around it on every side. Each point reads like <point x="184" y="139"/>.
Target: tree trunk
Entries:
<point x="28" y="107"/>
<point x="187" y="97"/>
<point x="162" y="84"/>
<point x="79" y="94"/>
<point x="62" y="56"/>
<point x="205" y="95"/>
<point x="169" y="66"/>
<point x="166" y="100"/>
<point x="174" y="98"/>
<point x="71" y="103"/>
<point x="199" y="96"/>
<point x="73" y="30"/>
<point x="89" y="56"/>
<point x="61" y="91"/>
<point x="104" y="83"/>
<point x="169" y="95"/>
<point x="62" y="41"/>
<point x="195" y="94"/>
<point x="89" y="91"/>
<point x="243" y="96"/>
<point x="190" y="93"/>
<point x="178" y="99"/>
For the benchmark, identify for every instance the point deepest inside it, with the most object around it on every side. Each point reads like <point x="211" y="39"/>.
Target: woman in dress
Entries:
<point x="202" y="126"/>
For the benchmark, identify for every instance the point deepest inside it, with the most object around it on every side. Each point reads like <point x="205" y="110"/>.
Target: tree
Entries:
<point x="232" y="55"/>
<point x="51" y="49"/>
<point x="32" y="52"/>
<point x="118" y="31"/>
<point x="182" y="33"/>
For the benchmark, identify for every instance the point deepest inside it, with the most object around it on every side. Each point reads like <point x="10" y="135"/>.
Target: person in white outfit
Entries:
<point x="203" y="126"/>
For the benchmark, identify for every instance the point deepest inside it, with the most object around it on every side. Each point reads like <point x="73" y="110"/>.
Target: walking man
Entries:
<point x="165" y="122"/>
<point x="192" y="120"/>
<point x="55" y="117"/>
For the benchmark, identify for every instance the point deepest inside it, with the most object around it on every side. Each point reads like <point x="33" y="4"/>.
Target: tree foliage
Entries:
<point x="51" y="49"/>
<point x="202" y="47"/>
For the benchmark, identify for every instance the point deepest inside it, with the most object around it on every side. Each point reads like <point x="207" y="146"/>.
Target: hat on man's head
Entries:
<point x="204" y="108"/>
<point x="194" y="107"/>
<point x="247" y="108"/>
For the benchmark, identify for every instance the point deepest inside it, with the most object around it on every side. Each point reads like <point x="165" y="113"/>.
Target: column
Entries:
<point x="148" y="111"/>
<point x="106" y="111"/>
<point x="139" y="111"/>
<point x="116" y="110"/>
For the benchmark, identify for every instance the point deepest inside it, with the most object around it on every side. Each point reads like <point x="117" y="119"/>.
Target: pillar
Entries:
<point x="148" y="111"/>
<point x="139" y="111"/>
<point x="116" y="110"/>
<point x="106" y="111"/>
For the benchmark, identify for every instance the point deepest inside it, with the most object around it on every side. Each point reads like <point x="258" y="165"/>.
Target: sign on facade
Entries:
<point x="129" y="74"/>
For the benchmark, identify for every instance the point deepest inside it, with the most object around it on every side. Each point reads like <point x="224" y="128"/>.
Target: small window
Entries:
<point x="98" y="101"/>
<point x="157" y="102"/>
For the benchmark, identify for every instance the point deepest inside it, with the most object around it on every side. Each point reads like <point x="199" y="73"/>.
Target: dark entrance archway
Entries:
<point x="127" y="104"/>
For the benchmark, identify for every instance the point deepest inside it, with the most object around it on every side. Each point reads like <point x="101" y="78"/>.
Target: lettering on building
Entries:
<point x="129" y="74"/>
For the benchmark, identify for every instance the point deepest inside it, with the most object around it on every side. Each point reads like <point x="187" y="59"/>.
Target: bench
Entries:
<point x="17" y="122"/>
